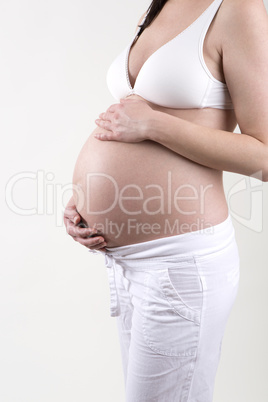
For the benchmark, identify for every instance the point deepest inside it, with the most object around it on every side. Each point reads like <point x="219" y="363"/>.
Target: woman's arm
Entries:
<point x="245" y="60"/>
<point x="217" y="149"/>
<point x="245" y="63"/>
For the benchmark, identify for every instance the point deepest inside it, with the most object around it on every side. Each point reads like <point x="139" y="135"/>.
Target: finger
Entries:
<point x="106" y="116"/>
<point x="72" y="220"/>
<point x="94" y="243"/>
<point x="103" y="249"/>
<point x="72" y="214"/>
<point x="75" y="218"/>
<point x="113" y="108"/>
<point x="106" y="124"/>
<point x="106" y="136"/>
<point x="76" y="231"/>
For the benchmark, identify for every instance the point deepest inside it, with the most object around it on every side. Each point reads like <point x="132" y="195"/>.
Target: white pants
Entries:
<point x="172" y="297"/>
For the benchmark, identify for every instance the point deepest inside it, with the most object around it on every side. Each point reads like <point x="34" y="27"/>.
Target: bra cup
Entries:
<point x="116" y="77"/>
<point x="179" y="81"/>
<point x="175" y="75"/>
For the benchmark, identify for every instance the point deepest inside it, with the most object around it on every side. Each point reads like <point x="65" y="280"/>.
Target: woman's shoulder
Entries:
<point x="241" y="20"/>
<point x="235" y="12"/>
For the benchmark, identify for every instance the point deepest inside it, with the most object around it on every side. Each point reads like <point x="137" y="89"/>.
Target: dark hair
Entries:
<point x="154" y="9"/>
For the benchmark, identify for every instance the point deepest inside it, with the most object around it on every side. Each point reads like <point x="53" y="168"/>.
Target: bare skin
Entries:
<point x="148" y="162"/>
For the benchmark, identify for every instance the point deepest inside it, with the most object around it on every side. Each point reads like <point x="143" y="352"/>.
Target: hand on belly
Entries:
<point x="138" y="192"/>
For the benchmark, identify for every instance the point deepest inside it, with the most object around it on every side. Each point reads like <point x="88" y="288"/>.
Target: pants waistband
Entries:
<point x="198" y="242"/>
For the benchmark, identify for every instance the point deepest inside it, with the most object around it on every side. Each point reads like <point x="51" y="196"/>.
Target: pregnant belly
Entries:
<point x="138" y="192"/>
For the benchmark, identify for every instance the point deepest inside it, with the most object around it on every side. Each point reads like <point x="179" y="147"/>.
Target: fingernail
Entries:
<point x="76" y="219"/>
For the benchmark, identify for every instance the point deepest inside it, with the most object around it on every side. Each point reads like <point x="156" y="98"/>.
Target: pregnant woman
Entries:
<point x="148" y="186"/>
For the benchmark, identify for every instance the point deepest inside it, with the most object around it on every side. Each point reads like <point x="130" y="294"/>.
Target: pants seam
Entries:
<point x="199" y="335"/>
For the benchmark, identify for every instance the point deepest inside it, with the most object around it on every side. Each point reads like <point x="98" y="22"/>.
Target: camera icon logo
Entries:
<point x="247" y="205"/>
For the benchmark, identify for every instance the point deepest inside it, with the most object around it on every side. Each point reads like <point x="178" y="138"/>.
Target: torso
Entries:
<point x="169" y="194"/>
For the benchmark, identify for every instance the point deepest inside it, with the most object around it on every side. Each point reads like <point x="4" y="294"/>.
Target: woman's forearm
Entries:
<point x="217" y="149"/>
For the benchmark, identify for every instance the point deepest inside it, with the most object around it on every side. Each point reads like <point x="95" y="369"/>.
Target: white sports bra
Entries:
<point x="175" y="75"/>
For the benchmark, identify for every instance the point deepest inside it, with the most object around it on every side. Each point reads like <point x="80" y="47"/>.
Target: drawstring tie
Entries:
<point x="111" y="266"/>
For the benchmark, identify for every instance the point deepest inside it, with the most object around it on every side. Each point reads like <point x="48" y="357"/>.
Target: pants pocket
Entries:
<point x="171" y="309"/>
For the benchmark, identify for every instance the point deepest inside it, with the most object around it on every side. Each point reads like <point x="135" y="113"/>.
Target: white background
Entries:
<point x="58" y="342"/>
